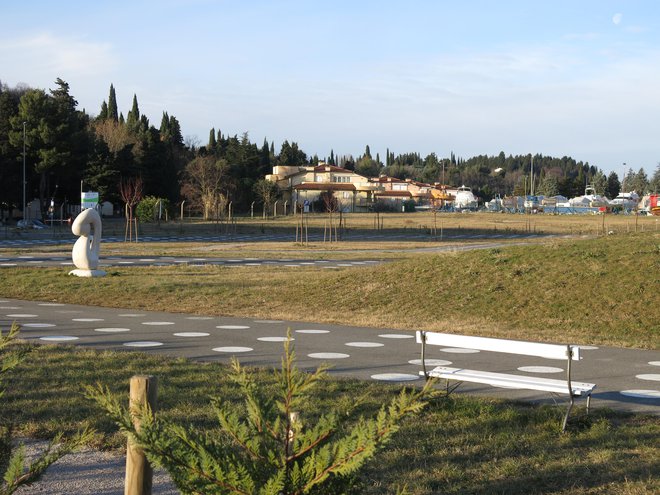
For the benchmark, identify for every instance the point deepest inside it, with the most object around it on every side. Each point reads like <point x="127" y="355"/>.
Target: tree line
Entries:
<point x="63" y="146"/>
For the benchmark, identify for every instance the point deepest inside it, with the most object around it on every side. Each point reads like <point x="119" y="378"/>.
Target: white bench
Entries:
<point x="552" y="351"/>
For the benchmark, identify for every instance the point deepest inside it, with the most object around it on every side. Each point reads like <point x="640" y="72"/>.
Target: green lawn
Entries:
<point x="600" y="291"/>
<point x="458" y="445"/>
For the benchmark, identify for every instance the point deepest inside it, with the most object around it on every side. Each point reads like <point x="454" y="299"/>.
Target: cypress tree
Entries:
<point x="165" y="126"/>
<point x="103" y="115"/>
<point x="175" y="131"/>
<point x="113" y="113"/>
<point x="212" y="140"/>
<point x="133" y="118"/>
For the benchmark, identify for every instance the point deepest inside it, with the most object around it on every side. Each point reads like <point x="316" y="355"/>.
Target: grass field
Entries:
<point x="458" y="445"/>
<point x="595" y="290"/>
<point x="600" y="291"/>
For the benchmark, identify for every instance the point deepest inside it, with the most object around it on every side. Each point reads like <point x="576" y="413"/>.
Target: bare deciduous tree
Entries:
<point x="204" y="179"/>
<point x="131" y="193"/>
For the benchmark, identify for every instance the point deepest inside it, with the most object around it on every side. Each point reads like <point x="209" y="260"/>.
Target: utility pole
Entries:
<point x="24" y="124"/>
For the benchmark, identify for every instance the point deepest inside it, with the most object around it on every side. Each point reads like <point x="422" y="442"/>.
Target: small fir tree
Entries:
<point x="266" y="447"/>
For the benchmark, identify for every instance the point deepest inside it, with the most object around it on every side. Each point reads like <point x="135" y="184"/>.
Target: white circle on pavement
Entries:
<point x="395" y="377"/>
<point x="312" y="331"/>
<point x="642" y="394"/>
<point x="158" y="323"/>
<point x="38" y="325"/>
<point x="22" y="315"/>
<point x="268" y="321"/>
<point x="540" y="369"/>
<point x="654" y="363"/>
<point x="147" y="259"/>
<point x="430" y="362"/>
<point x="58" y="338"/>
<point x="396" y="336"/>
<point x="191" y="334"/>
<point x="7" y="264"/>
<point x="143" y="343"/>
<point x="328" y="355"/>
<point x="10" y="307"/>
<point x="274" y="339"/>
<point x="112" y="330"/>
<point x="233" y="349"/>
<point x="131" y="315"/>
<point x="232" y="327"/>
<point x="651" y="376"/>
<point x="50" y="304"/>
<point x="364" y="344"/>
<point x="199" y="318"/>
<point x="87" y="319"/>
<point x="459" y="350"/>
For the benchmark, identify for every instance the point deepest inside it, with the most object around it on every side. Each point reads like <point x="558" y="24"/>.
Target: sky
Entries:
<point x="577" y="78"/>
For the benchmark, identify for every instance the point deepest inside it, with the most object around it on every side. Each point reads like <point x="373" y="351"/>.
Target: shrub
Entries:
<point x="267" y="446"/>
<point x="149" y="208"/>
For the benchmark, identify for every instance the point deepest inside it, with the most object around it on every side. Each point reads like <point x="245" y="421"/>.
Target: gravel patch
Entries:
<point x="87" y="472"/>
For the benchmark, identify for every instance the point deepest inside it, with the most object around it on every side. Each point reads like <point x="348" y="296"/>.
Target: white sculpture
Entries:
<point x="85" y="253"/>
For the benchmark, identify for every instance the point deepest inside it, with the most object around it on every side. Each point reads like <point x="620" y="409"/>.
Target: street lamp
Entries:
<point x="24" y="123"/>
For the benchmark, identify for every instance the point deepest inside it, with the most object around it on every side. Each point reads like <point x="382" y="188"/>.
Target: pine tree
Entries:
<point x="654" y="185"/>
<point x="613" y="185"/>
<point x="272" y="450"/>
<point x="113" y="113"/>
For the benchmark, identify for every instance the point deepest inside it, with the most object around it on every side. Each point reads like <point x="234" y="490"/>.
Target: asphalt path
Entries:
<point x="626" y="379"/>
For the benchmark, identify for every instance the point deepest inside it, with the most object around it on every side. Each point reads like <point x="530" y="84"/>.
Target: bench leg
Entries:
<point x="568" y="412"/>
<point x="588" y="402"/>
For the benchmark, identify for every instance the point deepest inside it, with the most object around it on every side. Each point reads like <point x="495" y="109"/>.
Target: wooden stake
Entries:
<point x="139" y="473"/>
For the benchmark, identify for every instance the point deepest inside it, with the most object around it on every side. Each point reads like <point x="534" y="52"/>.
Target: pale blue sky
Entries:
<point x="578" y="78"/>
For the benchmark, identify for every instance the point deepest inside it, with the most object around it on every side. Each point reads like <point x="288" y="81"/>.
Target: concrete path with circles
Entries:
<point x="46" y="238"/>
<point x="626" y="379"/>
<point x="36" y="260"/>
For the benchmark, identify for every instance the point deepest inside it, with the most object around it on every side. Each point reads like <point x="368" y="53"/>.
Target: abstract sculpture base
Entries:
<point x="87" y="273"/>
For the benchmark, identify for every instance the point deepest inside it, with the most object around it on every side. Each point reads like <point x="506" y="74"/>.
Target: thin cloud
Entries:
<point x="46" y="54"/>
<point x="617" y="18"/>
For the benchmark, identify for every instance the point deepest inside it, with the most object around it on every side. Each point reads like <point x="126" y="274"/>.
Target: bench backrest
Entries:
<point x="551" y="351"/>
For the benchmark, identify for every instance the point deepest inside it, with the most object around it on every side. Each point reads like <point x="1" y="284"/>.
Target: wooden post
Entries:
<point x="138" y="471"/>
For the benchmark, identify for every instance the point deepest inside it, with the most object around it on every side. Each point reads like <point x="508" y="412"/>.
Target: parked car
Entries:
<point x="31" y="224"/>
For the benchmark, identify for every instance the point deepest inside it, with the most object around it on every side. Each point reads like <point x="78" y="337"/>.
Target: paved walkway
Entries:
<point x="48" y="238"/>
<point x="626" y="379"/>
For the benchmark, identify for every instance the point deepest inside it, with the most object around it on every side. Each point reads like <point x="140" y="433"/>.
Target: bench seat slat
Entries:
<point x="513" y="381"/>
<point x="540" y="349"/>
